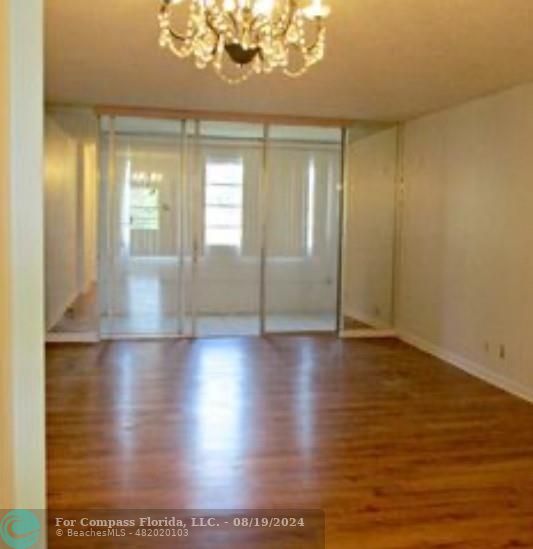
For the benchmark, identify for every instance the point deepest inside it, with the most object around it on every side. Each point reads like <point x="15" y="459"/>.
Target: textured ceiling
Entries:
<point x="386" y="59"/>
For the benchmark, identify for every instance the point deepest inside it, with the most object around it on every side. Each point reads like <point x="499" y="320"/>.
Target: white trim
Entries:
<point x="143" y="337"/>
<point x="477" y="370"/>
<point x="368" y="334"/>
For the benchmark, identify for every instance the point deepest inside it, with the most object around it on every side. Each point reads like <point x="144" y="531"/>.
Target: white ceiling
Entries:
<point x="386" y="59"/>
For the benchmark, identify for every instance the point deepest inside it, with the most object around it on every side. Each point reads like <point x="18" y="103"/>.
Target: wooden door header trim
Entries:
<point x="172" y="114"/>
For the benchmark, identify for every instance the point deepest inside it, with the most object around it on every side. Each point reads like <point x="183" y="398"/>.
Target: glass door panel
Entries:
<point x="145" y="241"/>
<point x="227" y="229"/>
<point x="301" y="271"/>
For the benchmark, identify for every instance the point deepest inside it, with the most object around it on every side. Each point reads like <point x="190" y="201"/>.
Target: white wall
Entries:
<point x="81" y="125"/>
<point x="61" y="221"/>
<point x="466" y="275"/>
<point x="22" y="440"/>
<point x="370" y="228"/>
<point x="71" y="204"/>
<point x="6" y="435"/>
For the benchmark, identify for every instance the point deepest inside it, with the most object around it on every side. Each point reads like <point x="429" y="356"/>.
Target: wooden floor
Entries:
<point x="400" y="449"/>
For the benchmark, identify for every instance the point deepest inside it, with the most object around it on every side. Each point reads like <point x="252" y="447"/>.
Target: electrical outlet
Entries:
<point x="503" y="351"/>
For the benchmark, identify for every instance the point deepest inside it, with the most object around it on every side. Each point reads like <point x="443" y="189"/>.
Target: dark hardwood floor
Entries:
<point x="399" y="449"/>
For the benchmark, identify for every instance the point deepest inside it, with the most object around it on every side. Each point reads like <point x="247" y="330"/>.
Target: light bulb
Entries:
<point x="316" y="9"/>
<point x="263" y="7"/>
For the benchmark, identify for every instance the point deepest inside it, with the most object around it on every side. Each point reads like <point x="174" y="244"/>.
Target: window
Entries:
<point x="144" y="208"/>
<point x="224" y="202"/>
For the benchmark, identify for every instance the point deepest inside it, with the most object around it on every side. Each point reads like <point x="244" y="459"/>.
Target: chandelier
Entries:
<point x="244" y="37"/>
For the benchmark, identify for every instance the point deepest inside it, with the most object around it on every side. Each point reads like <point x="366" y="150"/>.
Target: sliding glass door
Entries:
<point x="145" y="242"/>
<point x="227" y="230"/>
<point x="216" y="229"/>
<point x="302" y="233"/>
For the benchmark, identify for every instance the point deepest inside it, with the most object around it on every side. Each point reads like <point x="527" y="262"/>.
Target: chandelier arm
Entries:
<point x="164" y="10"/>
<point x="254" y="27"/>
<point x="307" y="49"/>
<point x="231" y="17"/>
<point x="211" y="26"/>
<point x="290" y="19"/>
<point x="305" y="52"/>
<point x="176" y="35"/>
<point x="213" y="29"/>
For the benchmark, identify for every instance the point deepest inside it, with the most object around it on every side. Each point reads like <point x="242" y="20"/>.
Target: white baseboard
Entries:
<point x="367" y="334"/>
<point x="509" y="385"/>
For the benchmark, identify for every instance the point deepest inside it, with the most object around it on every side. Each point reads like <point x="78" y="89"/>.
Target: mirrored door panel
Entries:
<point x="370" y="232"/>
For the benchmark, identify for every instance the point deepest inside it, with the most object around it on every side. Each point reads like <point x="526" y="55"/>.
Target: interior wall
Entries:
<point x="6" y="439"/>
<point x="71" y="206"/>
<point x="370" y="228"/>
<point x="61" y="221"/>
<point x="466" y="269"/>
<point x="81" y="125"/>
<point x="22" y="412"/>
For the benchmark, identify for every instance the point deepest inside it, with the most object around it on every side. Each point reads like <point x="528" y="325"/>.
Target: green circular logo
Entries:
<point x="20" y="529"/>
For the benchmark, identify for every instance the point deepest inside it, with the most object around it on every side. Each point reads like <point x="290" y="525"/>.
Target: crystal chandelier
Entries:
<point x="243" y="37"/>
